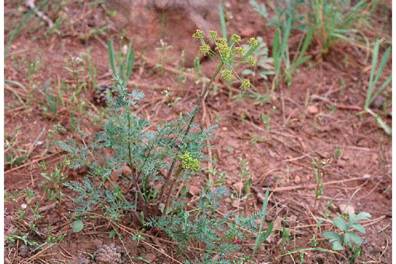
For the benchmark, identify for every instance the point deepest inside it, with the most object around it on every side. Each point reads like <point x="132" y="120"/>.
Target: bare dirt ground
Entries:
<point x="318" y="118"/>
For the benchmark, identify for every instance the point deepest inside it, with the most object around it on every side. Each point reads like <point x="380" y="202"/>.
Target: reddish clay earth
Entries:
<point x="318" y="117"/>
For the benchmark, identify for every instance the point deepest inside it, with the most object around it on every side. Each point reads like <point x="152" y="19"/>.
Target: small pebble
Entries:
<point x="23" y="251"/>
<point x="378" y="102"/>
<point x="313" y="110"/>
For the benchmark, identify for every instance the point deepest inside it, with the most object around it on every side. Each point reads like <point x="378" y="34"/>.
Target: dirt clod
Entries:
<point x="312" y="109"/>
<point x="83" y="260"/>
<point x="107" y="254"/>
<point x="23" y="251"/>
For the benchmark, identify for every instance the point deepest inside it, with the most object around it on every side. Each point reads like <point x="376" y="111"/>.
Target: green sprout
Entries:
<point x="346" y="237"/>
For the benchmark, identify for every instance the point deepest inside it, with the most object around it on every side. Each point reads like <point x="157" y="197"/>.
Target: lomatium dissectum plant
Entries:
<point x="229" y="53"/>
<point x="148" y="168"/>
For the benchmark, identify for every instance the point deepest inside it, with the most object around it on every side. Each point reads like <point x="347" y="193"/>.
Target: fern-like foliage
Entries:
<point x="132" y="141"/>
<point x="135" y="166"/>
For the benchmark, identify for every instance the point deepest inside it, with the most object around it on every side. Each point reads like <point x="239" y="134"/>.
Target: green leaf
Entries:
<point x="223" y="24"/>
<point x="336" y="245"/>
<point x="247" y="72"/>
<point x="358" y="227"/>
<point x="352" y="237"/>
<point x="264" y="236"/>
<point x="260" y="8"/>
<point x="335" y="240"/>
<point x="77" y="226"/>
<point x="66" y="147"/>
<point x="340" y="223"/>
<point x="130" y="62"/>
<point x="331" y="236"/>
<point x="363" y="216"/>
<point x="263" y="213"/>
<point x="111" y="53"/>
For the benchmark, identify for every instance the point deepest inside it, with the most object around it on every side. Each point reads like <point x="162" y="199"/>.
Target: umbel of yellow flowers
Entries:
<point x="230" y="53"/>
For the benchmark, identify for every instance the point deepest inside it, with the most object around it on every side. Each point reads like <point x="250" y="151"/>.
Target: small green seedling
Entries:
<point x="53" y="181"/>
<point x="265" y="67"/>
<point x="346" y="237"/>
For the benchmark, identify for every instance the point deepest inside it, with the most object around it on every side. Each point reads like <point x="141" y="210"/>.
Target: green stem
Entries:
<point x="198" y="104"/>
<point x="130" y="164"/>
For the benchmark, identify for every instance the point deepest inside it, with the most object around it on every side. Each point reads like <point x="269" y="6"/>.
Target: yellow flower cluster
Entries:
<point x="227" y="75"/>
<point x="229" y="52"/>
<point x="189" y="163"/>
<point x="204" y="49"/>
<point x="245" y="84"/>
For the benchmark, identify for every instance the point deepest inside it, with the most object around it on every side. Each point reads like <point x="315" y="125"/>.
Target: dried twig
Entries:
<point x="259" y="191"/>
<point x="35" y="161"/>
<point x="30" y="4"/>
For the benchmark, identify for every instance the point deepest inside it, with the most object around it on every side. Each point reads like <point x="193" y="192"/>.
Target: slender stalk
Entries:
<point x="130" y="163"/>
<point x="198" y="104"/>
<point x="177" y="174"/>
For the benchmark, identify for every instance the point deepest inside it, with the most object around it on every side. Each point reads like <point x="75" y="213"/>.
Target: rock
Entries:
<point x="83" y="260"/>
<point x="194" y="190"/>
<point x="312" y="109"/>
<point x="238" y="186"/>
<point x="116" y="174"/>
<point x="108" y="254"/>
<point x="97" y="242"/>
<point x="292" y="220"/>
<point x="236" y="203"/>
<point x="378" y="102"/>
<point x="23" y="251"/>
<point x="247" y="32"/>
<point x="126" y="171"/>
<point x="150" y="257"/>
<point x="346" y="208"/>
<point x="297" y="179"/>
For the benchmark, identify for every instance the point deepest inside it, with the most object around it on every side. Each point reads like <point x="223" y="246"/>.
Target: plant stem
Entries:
<point x="198" y="104"/>
<point x="130" y="164"/>
<point x="177" y="174"/>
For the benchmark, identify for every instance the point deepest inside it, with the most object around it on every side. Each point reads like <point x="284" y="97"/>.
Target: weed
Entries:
<point x="317" y="167"/>
<point x="374" y="87"/>
<point x="266" y="119"/>
<point x="75" y="66"/>
<point x="162" y="55"/>
<point x="246" y="177"/>
<point x="26" y="241"/>
<point x="53" y="100"/>
<point x="12" y="35"/>
<point x="284" y="22"/>
<point x="346" y="236"/>
<point x="54" y="181"/>
<point x="338" y="152"/>
<point x="326" y="22"/>
<point x="14" y="155"/>
<point x="262" y="236"/>
<point x="264" y="63"/>
<point x="332" y="21"/>
<point x="134" y="169"/>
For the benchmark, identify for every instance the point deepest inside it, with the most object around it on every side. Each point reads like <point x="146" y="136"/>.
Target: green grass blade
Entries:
<point x="259" y="238"/>
<point x="381" y="67"/>
<point x="223" y="24"/>
<point x="130" y="62"/>
<point x="381" y="89"/>
<point x="381" y="123"/>
<point x="111" y="54"/>
<point x="372" y="73"/>
<point x="260" y="8"/>
<point x="17" y="30"/>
